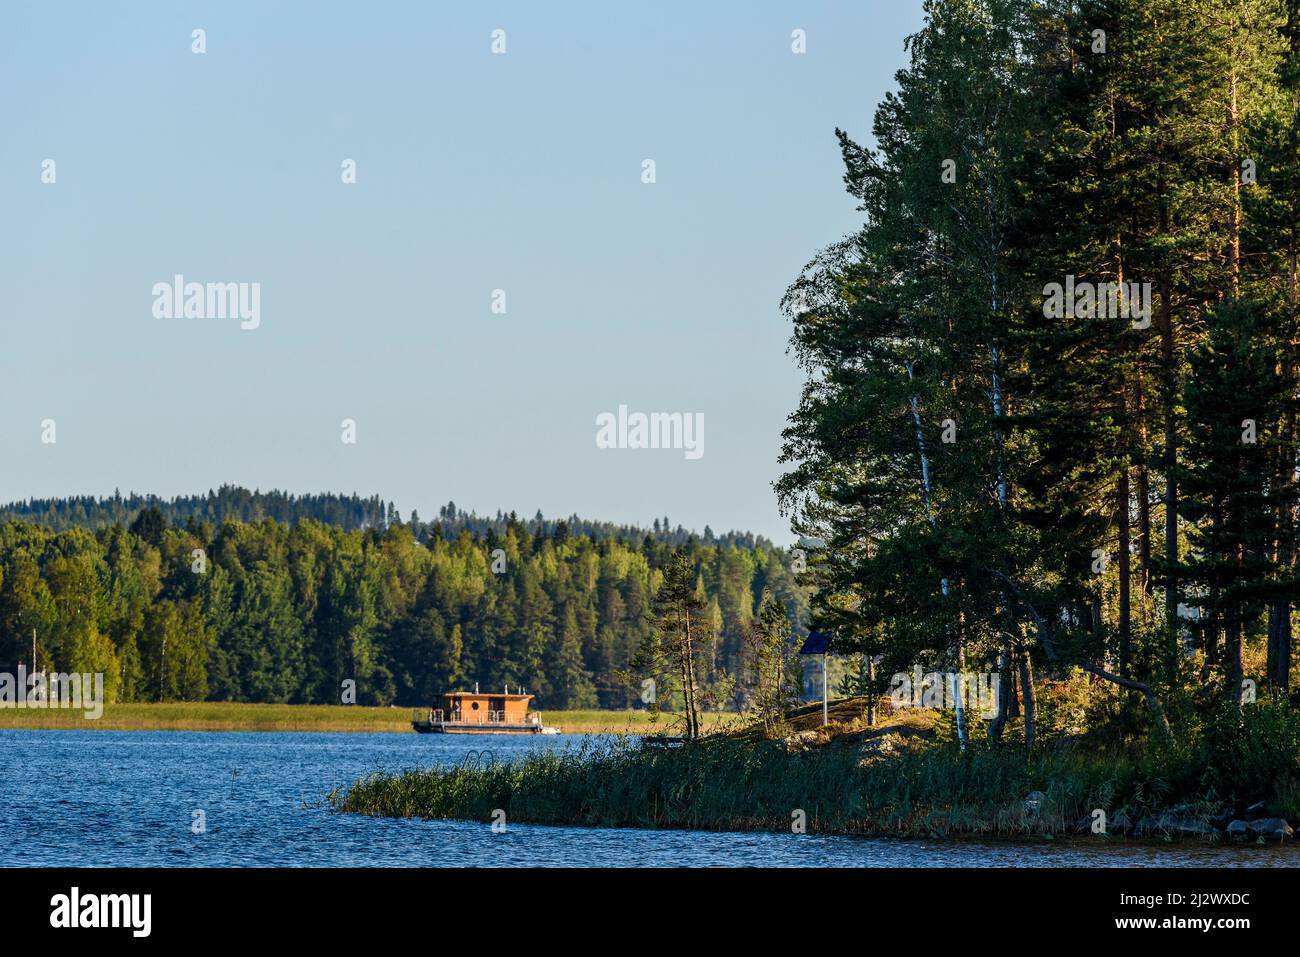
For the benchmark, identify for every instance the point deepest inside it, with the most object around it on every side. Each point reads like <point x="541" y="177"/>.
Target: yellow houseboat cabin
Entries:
<point x="472" y="712"/>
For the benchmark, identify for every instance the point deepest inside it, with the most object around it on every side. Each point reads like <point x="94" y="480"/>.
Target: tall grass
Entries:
<point x="238" y="716"/>
<point x="722" y="783"/>
<point x="728" y="785"/>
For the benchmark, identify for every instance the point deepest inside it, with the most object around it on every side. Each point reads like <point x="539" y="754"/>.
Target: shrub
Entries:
<point x="1247" y="755"/>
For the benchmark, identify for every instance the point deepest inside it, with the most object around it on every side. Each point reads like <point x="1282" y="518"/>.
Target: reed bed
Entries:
<point x="238" y="716"/>
<point x="917" y="789"/>
<point x="724" y="784"/>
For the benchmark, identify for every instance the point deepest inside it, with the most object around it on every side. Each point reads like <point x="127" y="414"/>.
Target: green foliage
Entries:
<point x="986" y="469"/>
<point x="673" y="655"/>
<point x="349" y="512"/>
<point x="274" y="612"/>
<point x="774" y="666"/>
<point x="724" y="784"/>
<point x="1074" y="707"/>
<point x="1250" y="753"/>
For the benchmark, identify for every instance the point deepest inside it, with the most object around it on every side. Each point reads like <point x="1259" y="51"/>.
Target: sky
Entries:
<point x="522" y="171"/>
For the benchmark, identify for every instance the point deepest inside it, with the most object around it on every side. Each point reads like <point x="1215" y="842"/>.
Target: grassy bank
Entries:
<point x="914" y="789"/>
<point x="234" y="716"/>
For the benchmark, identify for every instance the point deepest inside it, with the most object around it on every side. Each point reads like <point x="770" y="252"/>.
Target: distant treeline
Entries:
<point x="292" y="609"/>
<point x="349" y="512"/>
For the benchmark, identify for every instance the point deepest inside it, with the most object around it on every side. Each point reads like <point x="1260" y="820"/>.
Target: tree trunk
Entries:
<point x="871" y="692"/>
<point x="999" y="722"/>
<point x="1027" y="691"/>
<point x="1125" y="577"/>
<point x="1171" y="479"/>
<point x="1234" y="178"/>
<point x="1279" y="645"/>
<point x="1232" y="658"/>
<point x="1125" y="570"/>
<point x="943" y="582"/>
<point x="1049" y="648"/>
<point x="1144" y="498"/>
<point x="1169" y="389"/>
<point x="1279" y="611"/>
<point x="688" y="666"/>
<point x="961" y="689"/>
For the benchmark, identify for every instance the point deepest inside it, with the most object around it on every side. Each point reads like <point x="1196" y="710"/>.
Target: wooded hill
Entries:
<point x="279" y="611"/>
<point x="346" y="511"/>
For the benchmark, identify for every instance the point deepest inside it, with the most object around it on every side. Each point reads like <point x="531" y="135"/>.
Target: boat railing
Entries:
<point x="439" y="716"/>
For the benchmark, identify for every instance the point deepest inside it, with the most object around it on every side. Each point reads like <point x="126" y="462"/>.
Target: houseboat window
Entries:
<point x="474" y="705"/>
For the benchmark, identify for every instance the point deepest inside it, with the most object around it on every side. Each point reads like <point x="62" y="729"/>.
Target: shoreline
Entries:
<point x="1089" y="797"/>
<point x="238" y="716"/>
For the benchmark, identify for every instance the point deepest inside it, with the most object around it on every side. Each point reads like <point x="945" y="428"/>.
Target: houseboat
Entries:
<point x="472" y="712"/>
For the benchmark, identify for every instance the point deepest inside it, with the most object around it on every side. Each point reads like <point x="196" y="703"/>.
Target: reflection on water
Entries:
<point x="100" y="798"/>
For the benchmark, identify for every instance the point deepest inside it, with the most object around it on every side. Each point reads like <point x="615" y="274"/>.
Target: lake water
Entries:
<point x="100" y="798"/>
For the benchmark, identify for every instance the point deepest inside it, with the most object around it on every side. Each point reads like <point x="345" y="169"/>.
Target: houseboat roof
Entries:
<point x="513" y="695"/>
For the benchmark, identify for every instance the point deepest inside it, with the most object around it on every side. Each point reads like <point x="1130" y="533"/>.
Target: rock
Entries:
<point x="1270" y="828"/>
<point x="1034" y="802"/>
<point x="897" y="731"/>
<point x="1237" y="830"/>
<point x="803" y="739"/>
<point x="1256" y="811"/>
<point x="1190" y="826"/>
<point x="1223" y="818"/>
<point x="883" y="746"/>
<point x="1170" y="822"/>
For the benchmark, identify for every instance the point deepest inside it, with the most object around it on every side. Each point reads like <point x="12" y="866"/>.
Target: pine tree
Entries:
<point x="1234" y="398"/>
<point x="669" y="655"/>
<point x="774" y="665"/>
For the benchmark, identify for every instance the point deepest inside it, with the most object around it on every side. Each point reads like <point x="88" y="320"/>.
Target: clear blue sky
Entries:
<point x="475" y="172"/>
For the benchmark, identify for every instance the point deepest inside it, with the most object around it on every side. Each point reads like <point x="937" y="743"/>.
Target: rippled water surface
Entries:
<point x="97" y="798"/>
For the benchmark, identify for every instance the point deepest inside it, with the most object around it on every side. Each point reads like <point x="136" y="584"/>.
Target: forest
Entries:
<point x="289" y="608"/>
<point x="1048" y="428"/>
<point x="346" y="511"/>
